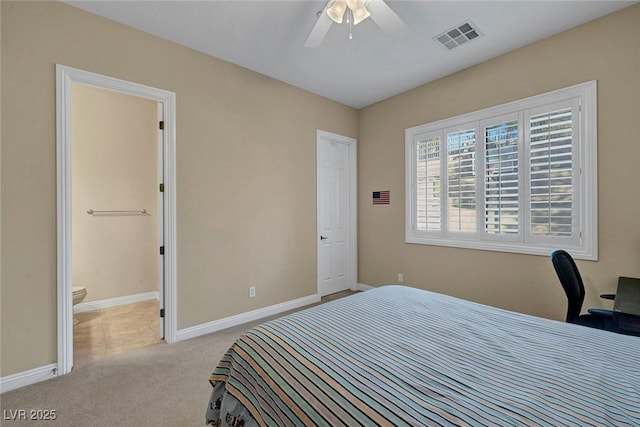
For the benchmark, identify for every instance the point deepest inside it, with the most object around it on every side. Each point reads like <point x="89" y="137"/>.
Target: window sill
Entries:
<point x="510" y="247"/>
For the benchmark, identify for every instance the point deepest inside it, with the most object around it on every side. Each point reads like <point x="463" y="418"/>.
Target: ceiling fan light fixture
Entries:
<point x="356" y="12"/>
<point x="336" y="11"/>
<point x="360" y="14"/>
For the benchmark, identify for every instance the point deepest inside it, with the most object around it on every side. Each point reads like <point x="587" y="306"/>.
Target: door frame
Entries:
<point x="160" y="209"/>
<point x="65" y="76"/>
<point x="352" y="250"/>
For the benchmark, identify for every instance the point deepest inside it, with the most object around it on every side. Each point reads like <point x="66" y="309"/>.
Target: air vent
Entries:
<point x="458" y="35"/>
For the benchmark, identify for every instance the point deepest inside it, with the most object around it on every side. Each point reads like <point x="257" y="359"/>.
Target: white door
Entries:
<point x="336" y="166"/>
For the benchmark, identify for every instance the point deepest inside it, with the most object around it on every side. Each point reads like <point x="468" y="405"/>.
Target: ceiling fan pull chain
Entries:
<point x="350" y="21"/>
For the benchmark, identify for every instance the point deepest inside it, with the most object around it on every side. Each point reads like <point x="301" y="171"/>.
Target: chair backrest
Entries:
<point x="571" y="282"/>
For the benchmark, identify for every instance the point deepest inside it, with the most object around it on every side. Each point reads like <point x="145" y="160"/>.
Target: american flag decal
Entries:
<point x="381" y="197"/>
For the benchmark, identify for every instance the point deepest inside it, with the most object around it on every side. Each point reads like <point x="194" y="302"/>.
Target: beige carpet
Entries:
<point x="159" y="385"/>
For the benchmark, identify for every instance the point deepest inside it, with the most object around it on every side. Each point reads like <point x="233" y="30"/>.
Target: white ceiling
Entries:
<point x="268" y="37"/>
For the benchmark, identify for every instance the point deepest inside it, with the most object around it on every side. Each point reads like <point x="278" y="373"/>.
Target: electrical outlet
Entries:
<point x="252" y="291"/>
<point x="400" y="277"/>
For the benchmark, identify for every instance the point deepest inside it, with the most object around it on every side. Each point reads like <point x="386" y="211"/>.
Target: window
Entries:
<point x="520" y="177"/>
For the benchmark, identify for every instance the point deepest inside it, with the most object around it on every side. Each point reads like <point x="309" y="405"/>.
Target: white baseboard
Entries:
<point x="363" y="287"/>
<point x="32" y="376"/>
<point x="114" y="302"/>
<point x="239" y="319"/>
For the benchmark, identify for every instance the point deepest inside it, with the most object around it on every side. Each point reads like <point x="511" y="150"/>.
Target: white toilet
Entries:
<point x="79" y="292"/>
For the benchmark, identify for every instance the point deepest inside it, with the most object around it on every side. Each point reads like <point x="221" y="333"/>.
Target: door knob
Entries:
<point x="323" y="237"/>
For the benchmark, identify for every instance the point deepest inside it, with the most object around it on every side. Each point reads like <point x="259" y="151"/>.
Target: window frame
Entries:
<point x="583" y="244"/>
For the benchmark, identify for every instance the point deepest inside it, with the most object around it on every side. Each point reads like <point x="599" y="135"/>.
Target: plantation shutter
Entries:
<point x="501" y="179"/>
<point x="428" y="183"/>
<point x="461" y="180"/>
<point x="551" y="164"/>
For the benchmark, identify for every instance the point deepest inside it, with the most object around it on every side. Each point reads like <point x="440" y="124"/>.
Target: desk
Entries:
<point x="628" y="322"/>
<point x="627" y="305"/>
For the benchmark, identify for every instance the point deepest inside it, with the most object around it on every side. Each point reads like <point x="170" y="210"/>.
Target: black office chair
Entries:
<point x="573" y="286"/>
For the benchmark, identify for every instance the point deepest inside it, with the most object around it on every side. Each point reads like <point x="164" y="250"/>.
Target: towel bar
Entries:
<point x="137" y="212"/>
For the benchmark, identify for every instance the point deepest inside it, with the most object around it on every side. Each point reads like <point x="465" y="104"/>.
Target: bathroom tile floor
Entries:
<point x="109" y="331"/>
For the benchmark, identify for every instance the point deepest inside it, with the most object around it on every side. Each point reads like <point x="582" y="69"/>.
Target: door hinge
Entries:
<point x="161" y="250"/>
<point x="162" y="312"/>
<point x="161" y="124"/>
<point x="162" y="188"/>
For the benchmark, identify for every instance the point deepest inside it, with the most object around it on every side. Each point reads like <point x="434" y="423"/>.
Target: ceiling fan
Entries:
<point x="356" y="11"/>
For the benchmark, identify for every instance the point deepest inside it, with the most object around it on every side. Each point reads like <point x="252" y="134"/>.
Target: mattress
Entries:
<point x="401" y="356"/>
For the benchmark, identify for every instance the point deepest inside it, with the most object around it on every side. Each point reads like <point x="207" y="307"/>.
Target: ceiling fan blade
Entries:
<point x="319" y="31"/>
<point x="386" y="18"/>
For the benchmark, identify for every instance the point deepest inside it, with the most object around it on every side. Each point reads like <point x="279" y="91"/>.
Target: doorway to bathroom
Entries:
<point x="116" y="222"/>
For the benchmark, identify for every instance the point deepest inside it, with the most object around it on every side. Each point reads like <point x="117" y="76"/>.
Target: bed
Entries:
<point x="397" y="355"/>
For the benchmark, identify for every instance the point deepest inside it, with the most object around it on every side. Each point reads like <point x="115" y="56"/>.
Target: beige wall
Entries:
<point x="245" y="172"/>
<point x="114" y="157"/>
<point x="606" y="50"/>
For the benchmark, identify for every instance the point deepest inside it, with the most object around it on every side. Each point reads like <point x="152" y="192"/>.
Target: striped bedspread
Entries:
<point x="402" y="356"/>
